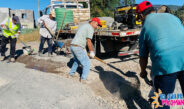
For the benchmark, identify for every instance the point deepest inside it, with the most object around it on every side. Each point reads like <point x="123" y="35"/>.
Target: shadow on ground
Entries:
<point x="79" y="69"/>
<point x="122" y="88"/>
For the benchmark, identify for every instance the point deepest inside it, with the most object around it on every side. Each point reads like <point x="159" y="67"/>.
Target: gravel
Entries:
<point x="115" y="85"/>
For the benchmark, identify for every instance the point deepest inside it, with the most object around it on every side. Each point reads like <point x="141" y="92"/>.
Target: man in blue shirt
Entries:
<point x="162" y="37"/>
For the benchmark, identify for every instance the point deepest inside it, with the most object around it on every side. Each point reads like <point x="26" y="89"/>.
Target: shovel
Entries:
<point x="26" y="49"/>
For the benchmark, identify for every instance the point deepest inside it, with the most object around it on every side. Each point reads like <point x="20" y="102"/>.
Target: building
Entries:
<point x="4" y="13"/>
<point x="26" y="16"/>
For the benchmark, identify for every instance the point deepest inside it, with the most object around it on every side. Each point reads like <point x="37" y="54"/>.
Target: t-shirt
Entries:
<point x="162" y="36"/>
<point x="51" y="24"/>
<point x="84" y="32"/>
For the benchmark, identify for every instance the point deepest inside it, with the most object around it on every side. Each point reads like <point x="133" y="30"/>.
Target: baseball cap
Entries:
<point x="53" y="13"/>
<point x="97" y="20"/>
<point x="16" y="19"/>
<point x="142" y="6"/>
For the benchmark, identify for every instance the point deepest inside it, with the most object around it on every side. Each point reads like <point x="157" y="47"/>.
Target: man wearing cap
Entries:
<point x="47" y="29"/>
<point x="11" y="30"/>
<point x="82" y="38"/>
<point x="162" y="37"/>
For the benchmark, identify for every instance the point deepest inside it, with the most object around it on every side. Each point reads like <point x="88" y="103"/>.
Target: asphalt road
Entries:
<point x="22" y="88"/>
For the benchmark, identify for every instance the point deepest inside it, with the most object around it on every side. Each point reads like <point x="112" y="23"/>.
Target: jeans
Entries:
<point x="49" y="42"/>
<point x="80" y="57"/>
<point x="167" y="83"/>
<point x="4" y="41"/>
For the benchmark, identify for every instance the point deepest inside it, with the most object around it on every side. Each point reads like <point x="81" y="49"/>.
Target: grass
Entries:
<point x="30" y="36"/>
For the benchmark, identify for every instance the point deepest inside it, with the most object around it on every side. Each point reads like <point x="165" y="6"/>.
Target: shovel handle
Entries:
<point x="98" y="59"/>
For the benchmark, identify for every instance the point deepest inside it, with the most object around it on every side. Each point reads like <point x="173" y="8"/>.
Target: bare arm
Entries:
<point x="89" y="44"/>
<point x="143" y="64"/>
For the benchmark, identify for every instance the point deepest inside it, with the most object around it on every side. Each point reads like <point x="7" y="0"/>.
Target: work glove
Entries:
<point x="4" y="27"/>
<point x="17" y="35"/>
<point x="92" y="54"/>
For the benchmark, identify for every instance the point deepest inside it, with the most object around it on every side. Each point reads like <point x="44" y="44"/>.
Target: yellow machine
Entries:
<point x="104" y="25"/>
<point x="127" y="15"/>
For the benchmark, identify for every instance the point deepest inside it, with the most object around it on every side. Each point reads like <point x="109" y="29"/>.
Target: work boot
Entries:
<point x="2" y="58"/>
<point x="71" y="76"/>
<point x="83" y="81"/>
<point x="12" y="59"/>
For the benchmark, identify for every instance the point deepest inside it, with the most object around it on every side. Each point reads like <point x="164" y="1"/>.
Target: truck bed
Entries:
<point x="109" y="33"/>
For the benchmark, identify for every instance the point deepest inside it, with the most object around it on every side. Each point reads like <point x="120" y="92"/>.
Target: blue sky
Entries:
<point x="33" y="4"/>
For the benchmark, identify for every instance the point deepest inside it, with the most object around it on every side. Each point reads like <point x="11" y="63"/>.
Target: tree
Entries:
<point x="180" y="13"/>
<point x="101" y="8"/>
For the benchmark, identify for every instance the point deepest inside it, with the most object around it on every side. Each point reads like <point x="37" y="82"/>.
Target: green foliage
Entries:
<point x="27" y="30"/>
<point x="180" y="13"/>
<point x="103" y="8"/>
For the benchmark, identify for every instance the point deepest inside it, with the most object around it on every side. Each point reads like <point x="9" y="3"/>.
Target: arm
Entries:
<point x="90" y="45"/>
<point x="40" y="20"/>
<point x="3" y="24"/>
<point x="143" y="64"/>
<point x="19" y="30"/>
<point x="143" y="53"/>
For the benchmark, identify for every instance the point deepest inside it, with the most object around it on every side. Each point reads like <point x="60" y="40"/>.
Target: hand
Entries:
<point x="143" y="74"/>
<point x="17" y="35"/>
<point x="92" y="54"/>
<point x="18" y="32"/>
<point x="2" y="25"/>
<point x="44" y="25"/>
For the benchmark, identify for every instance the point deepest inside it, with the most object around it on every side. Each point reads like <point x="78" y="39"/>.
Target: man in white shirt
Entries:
<point x="48" y="27"/>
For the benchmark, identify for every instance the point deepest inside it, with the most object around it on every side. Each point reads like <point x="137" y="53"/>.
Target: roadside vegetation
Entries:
<point x="28" y="35"/>
<point x="180" y="13"/>
<point x="106" y="8"/>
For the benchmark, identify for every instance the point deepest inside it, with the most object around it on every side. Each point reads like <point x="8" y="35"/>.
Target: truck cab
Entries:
<point x="80" y="8"/>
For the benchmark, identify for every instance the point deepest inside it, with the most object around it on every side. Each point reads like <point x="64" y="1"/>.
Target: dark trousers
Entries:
<point x="167" y="83"/>
<point x="5" y="41"/>
<point x="49" y="42"/>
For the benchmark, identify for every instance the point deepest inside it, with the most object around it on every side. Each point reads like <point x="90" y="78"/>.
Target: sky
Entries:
<point x="33" y="4"/>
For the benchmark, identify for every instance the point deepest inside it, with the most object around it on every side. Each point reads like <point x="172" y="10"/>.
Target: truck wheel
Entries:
<point x="134" y="46"/>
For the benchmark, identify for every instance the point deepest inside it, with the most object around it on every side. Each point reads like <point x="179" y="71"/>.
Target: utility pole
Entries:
<point x="38" y="9"/>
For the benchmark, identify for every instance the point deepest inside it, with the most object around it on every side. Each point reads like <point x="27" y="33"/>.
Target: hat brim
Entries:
<point x="99" y="25"/>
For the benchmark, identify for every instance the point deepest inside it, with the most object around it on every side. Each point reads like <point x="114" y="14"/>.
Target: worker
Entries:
<point x="83" y="36"/>
<point x="162" y="9"/>
<point x="11" y="30"/>
<point x="162" y="36"/>
<point x="47" y="30"/>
